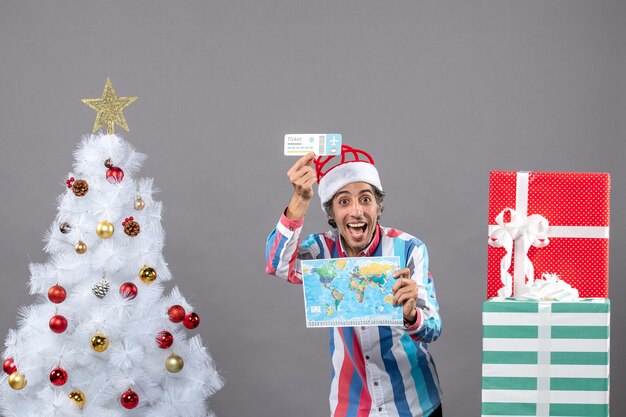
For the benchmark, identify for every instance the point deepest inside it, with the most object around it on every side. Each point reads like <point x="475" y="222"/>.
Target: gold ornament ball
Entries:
<point x="174" y="363"/>
<point x="80" y="247"/>
<point x="17" y="380"/>
<point x="78" y="398"/>
<point x="99" y="342"/>
<point x="139" y="203"/>
<point x="105" y="229"/>
<point x="148" y="274"/>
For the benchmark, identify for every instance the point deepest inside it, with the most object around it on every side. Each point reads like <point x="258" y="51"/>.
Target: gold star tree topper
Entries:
<point x="109" y="108"/>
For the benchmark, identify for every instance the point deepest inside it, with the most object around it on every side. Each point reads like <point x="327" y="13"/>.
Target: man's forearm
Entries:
<point x="282" y="248"/>
<point x="297" y="207"/>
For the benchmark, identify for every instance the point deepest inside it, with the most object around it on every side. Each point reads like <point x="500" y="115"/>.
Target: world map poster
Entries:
<point x="350" y="292"/>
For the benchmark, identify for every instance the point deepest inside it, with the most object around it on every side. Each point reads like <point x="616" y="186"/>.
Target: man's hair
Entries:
<point x="379" y="196"/>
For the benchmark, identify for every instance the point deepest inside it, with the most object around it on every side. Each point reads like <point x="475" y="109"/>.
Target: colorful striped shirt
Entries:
<point x="377" y="371"/>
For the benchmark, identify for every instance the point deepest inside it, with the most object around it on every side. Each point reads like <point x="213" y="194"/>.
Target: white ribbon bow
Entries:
<point x="525" y="232"/>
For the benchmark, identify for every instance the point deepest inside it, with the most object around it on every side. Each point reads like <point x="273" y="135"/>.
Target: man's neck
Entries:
<point x="352" y="253"/>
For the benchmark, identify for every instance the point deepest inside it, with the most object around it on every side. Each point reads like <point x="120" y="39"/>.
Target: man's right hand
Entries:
<point x="302" y="176"/>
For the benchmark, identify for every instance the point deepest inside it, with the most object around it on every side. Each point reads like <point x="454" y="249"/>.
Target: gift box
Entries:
<point x="545" y="358"/>
<point x="543" y="222"/>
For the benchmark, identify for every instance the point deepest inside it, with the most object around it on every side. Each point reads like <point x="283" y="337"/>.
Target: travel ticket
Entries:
<point x="320" y="143"/>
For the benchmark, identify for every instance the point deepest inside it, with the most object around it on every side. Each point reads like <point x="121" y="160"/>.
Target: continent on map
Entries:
<point x="373" y="274"/>
<point x="338" y="296"/>
<point x="340" y="263"/>
<point x="376" y="270"/>
<point x="327" y="273"/>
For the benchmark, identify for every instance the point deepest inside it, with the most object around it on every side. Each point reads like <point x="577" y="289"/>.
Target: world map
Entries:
<point x="350" y="292"/>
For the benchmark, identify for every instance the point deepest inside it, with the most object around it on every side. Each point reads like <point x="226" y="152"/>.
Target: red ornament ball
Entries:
<point x="58" y="376"/>
<point x="164" y="339"/>
<point x="9" y="366"/>
<point x="191" y="321"/>
<point x="58" y="323"/>
<point x="57" y="294"/>
<point x="128" y="290"/>
<point x="176" y="313"/>
<point x="115" y="175"/>
<point x="129" y="399"/>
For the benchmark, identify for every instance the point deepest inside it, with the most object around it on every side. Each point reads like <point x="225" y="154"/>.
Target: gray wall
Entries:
<point x="440" y="92"/>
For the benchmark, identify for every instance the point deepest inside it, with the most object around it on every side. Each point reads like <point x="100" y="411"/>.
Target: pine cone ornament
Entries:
<point x="65" y="228"/>
<point x="131" y="227"/>
<point x="79" y="187"/>
<point x="101" y="288"/>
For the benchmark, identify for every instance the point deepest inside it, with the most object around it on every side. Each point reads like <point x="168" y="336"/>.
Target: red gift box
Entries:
<point x="554" y="222"/>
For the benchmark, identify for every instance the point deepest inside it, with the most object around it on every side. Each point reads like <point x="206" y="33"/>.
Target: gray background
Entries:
<point x="440" y="92"/>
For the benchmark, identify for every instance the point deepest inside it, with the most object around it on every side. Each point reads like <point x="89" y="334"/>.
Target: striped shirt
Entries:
<point x="377" y="371"/>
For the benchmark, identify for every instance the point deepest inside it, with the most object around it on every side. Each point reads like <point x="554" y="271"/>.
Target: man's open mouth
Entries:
<point x="357" y="230"/>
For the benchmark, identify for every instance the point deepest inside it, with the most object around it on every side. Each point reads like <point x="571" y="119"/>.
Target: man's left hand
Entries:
<point x="405" y="294"/>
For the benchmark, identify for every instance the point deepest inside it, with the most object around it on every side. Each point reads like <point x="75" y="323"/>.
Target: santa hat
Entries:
<point x="356" y="165"/>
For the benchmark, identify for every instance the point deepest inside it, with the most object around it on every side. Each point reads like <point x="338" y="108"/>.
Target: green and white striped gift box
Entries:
<point x="546" y="358"/>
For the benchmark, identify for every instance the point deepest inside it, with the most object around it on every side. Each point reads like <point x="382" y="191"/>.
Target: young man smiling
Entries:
<point x="377" y="371"/>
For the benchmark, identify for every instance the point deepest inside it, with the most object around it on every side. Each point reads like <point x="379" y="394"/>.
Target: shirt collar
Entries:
<point x="368" y="251"/>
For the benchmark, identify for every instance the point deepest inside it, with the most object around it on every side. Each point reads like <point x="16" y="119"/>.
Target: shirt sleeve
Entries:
<point x="283" y="251"/>
<point x="427" y="327"/>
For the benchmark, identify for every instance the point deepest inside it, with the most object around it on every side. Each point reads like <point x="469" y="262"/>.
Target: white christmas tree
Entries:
<point x="103" y="339"/>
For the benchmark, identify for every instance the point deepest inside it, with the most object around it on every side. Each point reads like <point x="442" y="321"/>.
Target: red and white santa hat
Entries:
<point x="356" y="165"/>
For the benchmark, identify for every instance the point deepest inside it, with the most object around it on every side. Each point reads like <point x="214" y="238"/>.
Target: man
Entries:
<point x="377" y="371"/>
